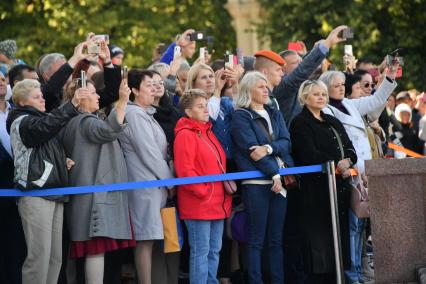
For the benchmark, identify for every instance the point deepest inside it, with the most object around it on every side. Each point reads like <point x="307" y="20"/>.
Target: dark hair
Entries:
<point x="135" y="77"/>
<point x="361" y="72"/>
<point x="286" y="53"/>
<point x="217" y="64"/>
<point x="362" y="61"/>
<point x="351" y="79"/>
<point x="16" y="73"/>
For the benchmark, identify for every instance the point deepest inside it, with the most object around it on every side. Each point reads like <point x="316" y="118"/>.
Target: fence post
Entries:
<point x="331" y="172"/>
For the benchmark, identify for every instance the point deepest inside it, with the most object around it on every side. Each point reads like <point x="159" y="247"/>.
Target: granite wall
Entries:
<point x="397" y="191"/>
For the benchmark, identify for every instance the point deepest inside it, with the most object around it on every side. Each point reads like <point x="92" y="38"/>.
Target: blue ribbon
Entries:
<point x="155" y="183"/>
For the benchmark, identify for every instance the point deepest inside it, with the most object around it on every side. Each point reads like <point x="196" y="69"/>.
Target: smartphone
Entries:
<point x="294" y="45"/>
<point x="203" y="54"/>
<point x="83" y="79"/>
<point x="347" y="33"/>
<point x="197" y="36"/>
<point x="348" y="49"/>
<point x="392" y="60"/>
<point x="93" y="47"/>
<point x="124" y="73"/>
<point x="229" y="60"/>
<point x="101" y="37"/>
<point x="177" y="52"/>
<point x="240" y="56"/>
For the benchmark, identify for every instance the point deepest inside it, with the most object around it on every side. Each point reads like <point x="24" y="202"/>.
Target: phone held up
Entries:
<point x="197" y="36"/>
<point x="124" y="73"/>
<point x="176" y="52"/>
<point x="347" y="33"/>
<point x="393" y="59"/>
<point x="82" y="83"/>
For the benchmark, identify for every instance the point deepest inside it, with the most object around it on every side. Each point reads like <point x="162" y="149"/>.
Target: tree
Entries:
<point x="380" y="26"/>
<point x="43" y="26"/>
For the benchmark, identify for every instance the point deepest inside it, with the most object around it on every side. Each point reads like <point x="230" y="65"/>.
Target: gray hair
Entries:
<point x="47" y="62"/>
<point x="247" y="83"/>
<point x="328" y="77"/>
<point x="22" y="89"/>
<point x="306" y="88"/>
<point x="162" y="68"/>
<point x="184" y="66"/>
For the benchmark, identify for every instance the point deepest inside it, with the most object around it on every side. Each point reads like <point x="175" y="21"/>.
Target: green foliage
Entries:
<point x="43" y="26"/>
<point x="380" y="26"/>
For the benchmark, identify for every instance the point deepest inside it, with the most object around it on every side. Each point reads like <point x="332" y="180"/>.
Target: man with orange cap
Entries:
<point x="283" y="89"/>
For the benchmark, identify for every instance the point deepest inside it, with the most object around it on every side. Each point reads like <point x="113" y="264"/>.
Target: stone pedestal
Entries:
<point x="397" y="190"/>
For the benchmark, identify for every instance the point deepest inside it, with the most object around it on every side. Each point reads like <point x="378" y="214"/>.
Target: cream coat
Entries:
<point x="372" y="106"/>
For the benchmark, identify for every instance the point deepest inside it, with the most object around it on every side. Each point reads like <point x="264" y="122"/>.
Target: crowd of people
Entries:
<point x="262" y="112"/>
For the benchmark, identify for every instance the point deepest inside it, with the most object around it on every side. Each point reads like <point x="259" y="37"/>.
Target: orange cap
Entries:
<point x="270" y="55"/>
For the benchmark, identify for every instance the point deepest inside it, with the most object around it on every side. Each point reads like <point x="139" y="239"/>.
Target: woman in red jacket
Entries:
<point x="203" y="206"/>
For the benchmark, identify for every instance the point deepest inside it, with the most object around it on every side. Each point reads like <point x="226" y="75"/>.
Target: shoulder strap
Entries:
<point x="342" y="153"/>
<point x="259" y="122"/>
<point x="214" y="152"/>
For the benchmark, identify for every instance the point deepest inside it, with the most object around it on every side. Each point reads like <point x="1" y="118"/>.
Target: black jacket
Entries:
<point x="53" y="93"/>
<point x="314" y="142"/>
<point x="39" y="157"/>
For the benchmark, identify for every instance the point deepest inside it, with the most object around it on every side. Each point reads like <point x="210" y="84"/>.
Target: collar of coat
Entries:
<point x="353" y="119"/>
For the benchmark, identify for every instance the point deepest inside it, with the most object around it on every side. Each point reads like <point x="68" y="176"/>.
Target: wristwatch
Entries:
<point x="269" y="149"/>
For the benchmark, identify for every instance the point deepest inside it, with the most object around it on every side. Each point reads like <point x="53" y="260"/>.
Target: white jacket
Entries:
<point x="372" y="106"/>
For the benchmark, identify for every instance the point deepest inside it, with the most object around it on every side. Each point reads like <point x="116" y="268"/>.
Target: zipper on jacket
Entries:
<point x="224" y="193"/>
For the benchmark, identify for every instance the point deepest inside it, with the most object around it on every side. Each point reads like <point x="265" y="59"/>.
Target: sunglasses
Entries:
<point x="368" y="84"/>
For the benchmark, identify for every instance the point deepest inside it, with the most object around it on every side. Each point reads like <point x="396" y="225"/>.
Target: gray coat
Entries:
<point x="91" y="143"/>
<point x="144" y="146"/>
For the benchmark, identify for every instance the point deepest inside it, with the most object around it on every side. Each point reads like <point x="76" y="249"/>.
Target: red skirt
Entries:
<point x="100" y="245"/>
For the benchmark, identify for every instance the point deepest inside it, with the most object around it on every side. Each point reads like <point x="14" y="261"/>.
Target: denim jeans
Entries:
<point x="205" y="242"/>
<point x="266" y="212"/>
<point x="356" y="226"/>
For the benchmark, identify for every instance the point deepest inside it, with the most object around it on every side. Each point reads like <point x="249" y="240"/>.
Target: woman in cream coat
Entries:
<point x="350" y="113"/>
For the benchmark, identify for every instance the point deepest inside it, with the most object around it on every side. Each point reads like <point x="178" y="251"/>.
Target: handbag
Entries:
<point x="359" y="195"/>
<point x="359" y="201"/>
<point x="230" y="186"/>
<point x="289" y="181"/>
<point x="173" y="237"/>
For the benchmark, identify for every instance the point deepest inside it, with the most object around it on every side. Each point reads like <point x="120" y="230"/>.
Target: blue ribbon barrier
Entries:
<point x="155" y="183"/>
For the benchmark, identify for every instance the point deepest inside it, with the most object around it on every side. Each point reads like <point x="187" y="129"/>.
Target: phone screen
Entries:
<point x="124" y="74"/>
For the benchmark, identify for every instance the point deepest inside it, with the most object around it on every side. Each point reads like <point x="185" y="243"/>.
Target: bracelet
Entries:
<point x="107" y="63"/>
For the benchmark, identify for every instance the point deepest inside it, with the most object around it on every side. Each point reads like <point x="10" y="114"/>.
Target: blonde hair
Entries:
<point x="21" y="90"/>
<point x="306" y="88"/>
<point x="193" y="73"/>
<point x="247" y="83"/>
<point x="188" y="98"/>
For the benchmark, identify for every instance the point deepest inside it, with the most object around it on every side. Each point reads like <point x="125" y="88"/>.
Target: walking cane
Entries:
<point x="331" y="172"/>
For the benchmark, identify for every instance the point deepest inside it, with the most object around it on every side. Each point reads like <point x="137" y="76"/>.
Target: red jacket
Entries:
<point x="195" y="152"/>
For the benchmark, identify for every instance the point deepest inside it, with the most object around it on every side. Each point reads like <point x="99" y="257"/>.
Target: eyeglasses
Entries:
<point x="368" y="84"/>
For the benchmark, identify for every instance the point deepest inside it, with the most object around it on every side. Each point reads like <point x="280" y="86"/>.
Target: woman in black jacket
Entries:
<point x="40" y="162"/>
<point x="318" y="138"/>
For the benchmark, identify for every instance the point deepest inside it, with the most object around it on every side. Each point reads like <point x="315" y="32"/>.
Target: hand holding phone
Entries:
<point x="177" y="52"/>
<point x="202" y="55"/>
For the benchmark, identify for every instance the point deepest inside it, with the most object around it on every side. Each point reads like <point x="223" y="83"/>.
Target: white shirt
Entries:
<point x="4" y="136"/>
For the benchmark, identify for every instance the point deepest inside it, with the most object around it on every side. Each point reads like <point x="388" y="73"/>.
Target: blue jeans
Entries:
<point x="356" y="226"/>
<point x="266" y="212"/>
<point x="205" y="242"/>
